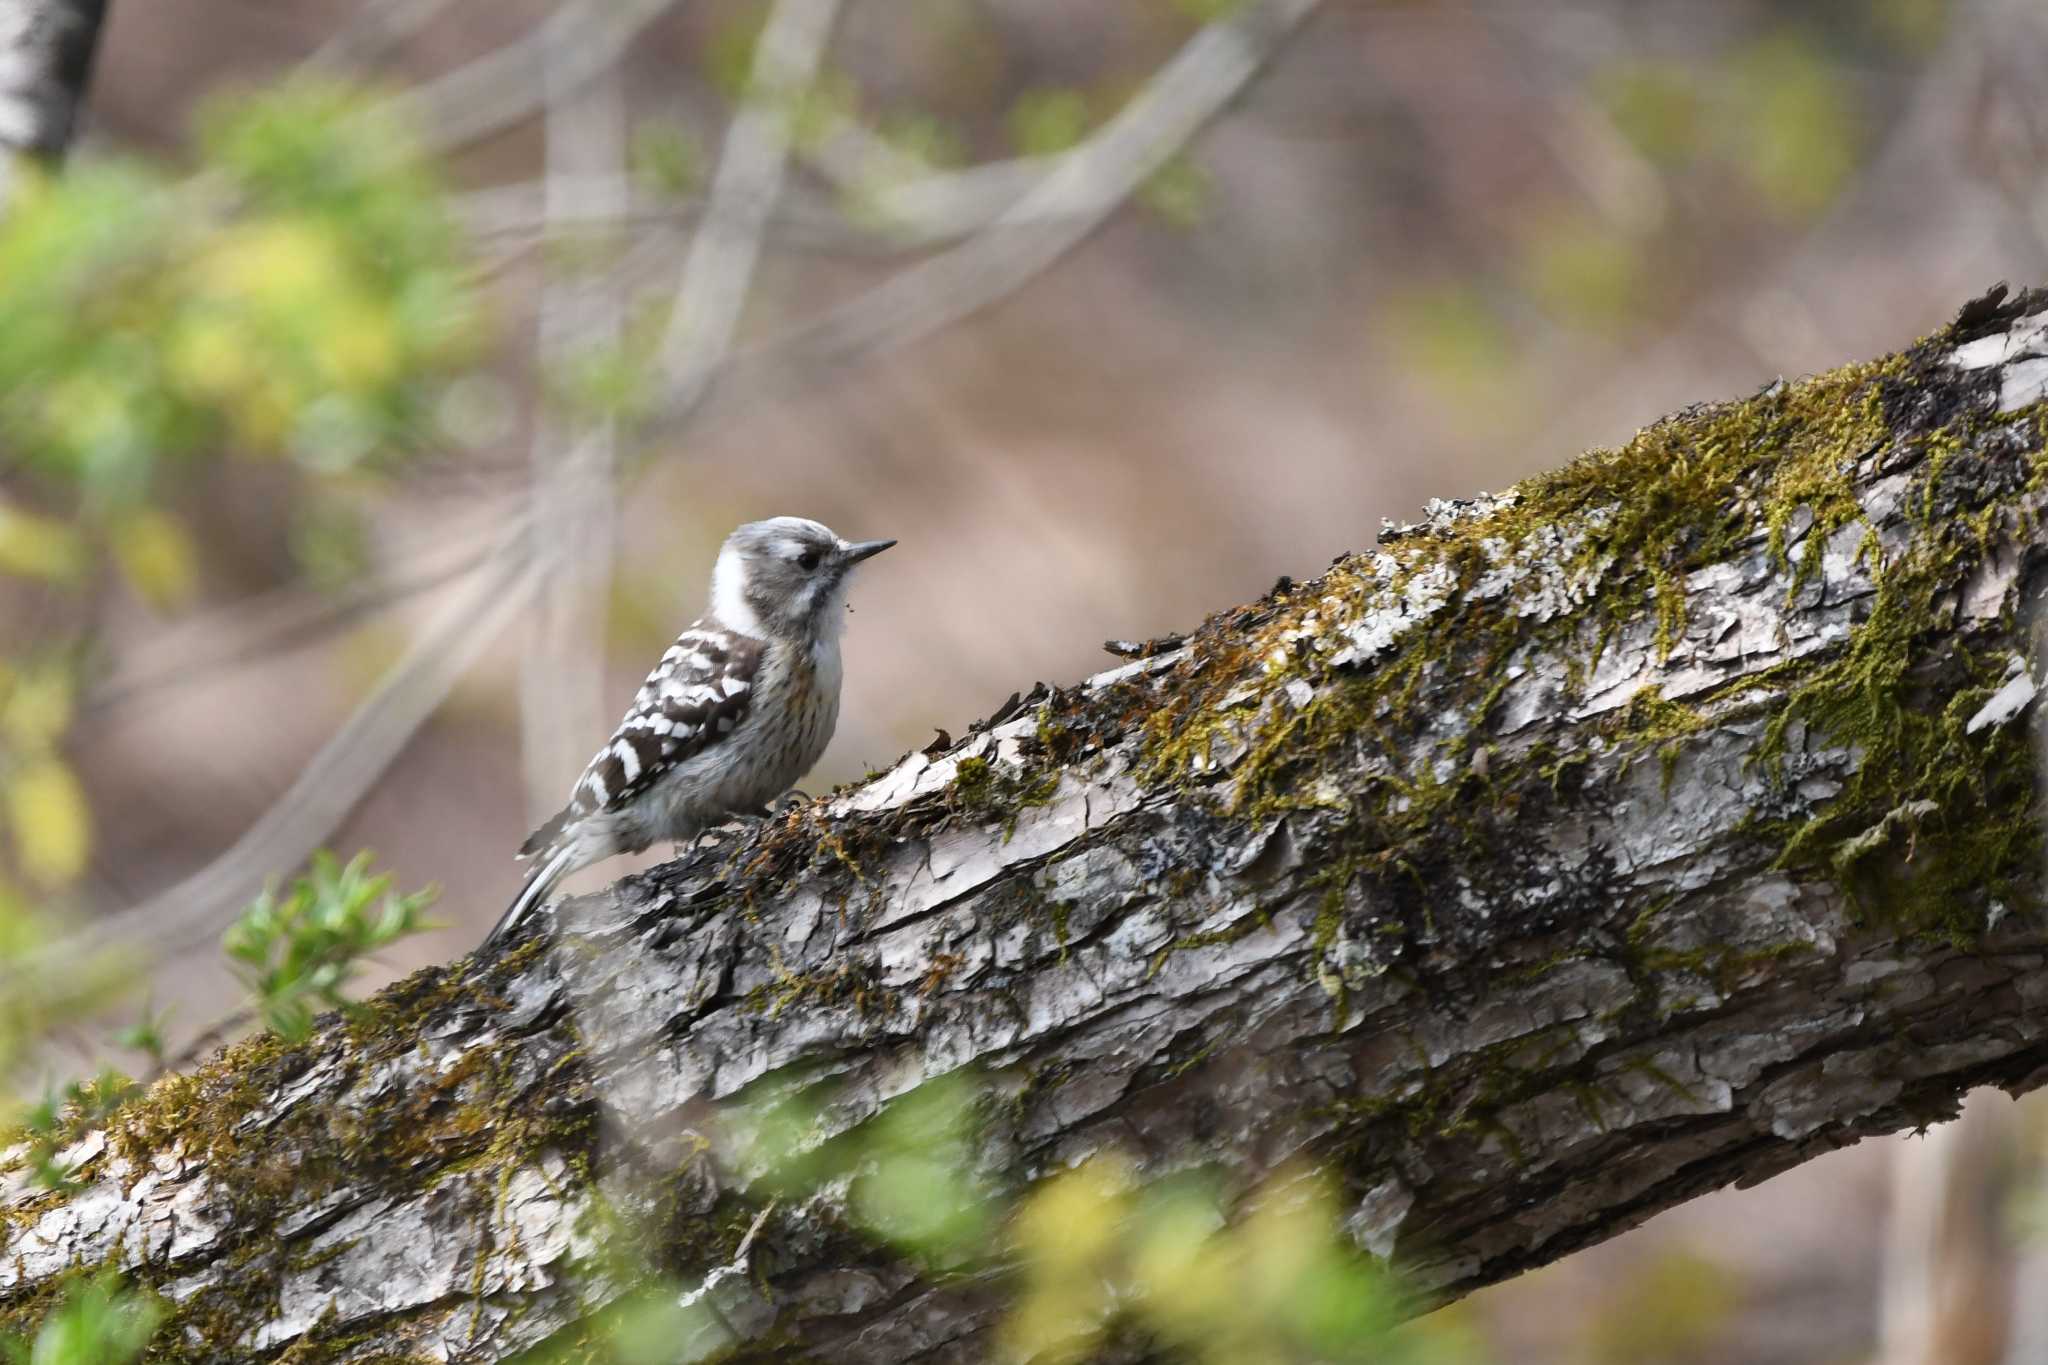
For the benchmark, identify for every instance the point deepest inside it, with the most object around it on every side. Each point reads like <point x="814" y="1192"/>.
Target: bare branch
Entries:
<point x="511" y="84"/>
<point x="912" y="201"/>
<point x="900" y="200"/>
<point x="1080" y="192"/>
<point x="288" y="618"/>
<point x="511" y="217"/>
<point x="561" y="680"/>
<point x="339" y="775"/>
<point x="720" y="268"/>
<point x="373" y="31"/>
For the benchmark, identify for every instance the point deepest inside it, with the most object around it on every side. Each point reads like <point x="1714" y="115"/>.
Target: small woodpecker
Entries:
<point x="739" y="708"/>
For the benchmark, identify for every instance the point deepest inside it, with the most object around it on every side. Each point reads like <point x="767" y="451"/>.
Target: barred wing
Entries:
<point x="694" y="698"/>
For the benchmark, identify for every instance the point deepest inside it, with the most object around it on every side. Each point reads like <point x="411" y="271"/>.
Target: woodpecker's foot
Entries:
<point x="788" y="801"/>
<point x="702" y="838"/>
<point x="747" y="819"/>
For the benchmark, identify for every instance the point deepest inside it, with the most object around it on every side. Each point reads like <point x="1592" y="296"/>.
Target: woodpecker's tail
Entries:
<point x="546" y="872"/>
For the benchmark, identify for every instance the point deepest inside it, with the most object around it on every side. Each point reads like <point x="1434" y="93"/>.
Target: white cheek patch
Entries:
<point x="729" y="595"/>
<point x="830" y="612"/>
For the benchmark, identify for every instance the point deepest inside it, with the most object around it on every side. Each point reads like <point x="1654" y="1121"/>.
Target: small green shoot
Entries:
<point x="99" y="1323"/>
<point x="298" y="952"/>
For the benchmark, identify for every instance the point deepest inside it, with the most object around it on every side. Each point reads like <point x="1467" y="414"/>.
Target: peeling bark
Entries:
<point x="1653" y="827"/>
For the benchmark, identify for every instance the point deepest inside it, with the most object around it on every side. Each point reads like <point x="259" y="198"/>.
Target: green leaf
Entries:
<point x="1658" y="106"/>
<point x="1798" y="133"/>
<point x="1583" y="270"/>
<point x="61" y="1117"/>
<point x="99" y="1323"/>
<point x="1180" y="192"/>
<point x="157" y="557"/>
<point x="315" y="308"/>
<point x="40" y="547"/>
<point x="36" y="703"/>
<point x="729" y="56"/>
<point x="668" y="159"/>
<point x="1046" y="122"/>
<point x="52" y="827"/>
<point x="299" y="952"/>
<point x="146" y="1035"/>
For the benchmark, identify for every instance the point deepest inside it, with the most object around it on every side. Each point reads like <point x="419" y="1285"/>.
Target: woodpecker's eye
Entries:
<point x="807" y="561"/>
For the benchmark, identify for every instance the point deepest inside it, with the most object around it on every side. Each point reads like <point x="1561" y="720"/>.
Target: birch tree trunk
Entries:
<point x="46" y="49"/>
<point x="1652" y="827"/>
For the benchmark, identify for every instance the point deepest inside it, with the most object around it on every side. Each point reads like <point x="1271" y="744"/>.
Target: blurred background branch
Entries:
<point x="719" y="270"/>
<point x="373" y="31"/>
<point x="562" y="695"/>
<point x="578" y="42"/>
<point x="1076" y="194"/>
<point x="192" y="913"/>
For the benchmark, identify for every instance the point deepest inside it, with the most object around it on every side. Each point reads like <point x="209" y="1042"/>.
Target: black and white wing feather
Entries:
<point x="696" y="696"/>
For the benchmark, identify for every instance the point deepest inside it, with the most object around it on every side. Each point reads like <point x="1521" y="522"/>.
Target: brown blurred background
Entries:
<point x="1435" y="247"/>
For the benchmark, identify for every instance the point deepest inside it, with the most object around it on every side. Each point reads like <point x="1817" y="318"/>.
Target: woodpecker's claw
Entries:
<point x="685" y="847"/>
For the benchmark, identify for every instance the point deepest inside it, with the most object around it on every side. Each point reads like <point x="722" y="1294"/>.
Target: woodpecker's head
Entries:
<point x="786" y="577"/>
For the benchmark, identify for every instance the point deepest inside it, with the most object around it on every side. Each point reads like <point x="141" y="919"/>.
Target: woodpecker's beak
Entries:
<point x="854" y="553"/>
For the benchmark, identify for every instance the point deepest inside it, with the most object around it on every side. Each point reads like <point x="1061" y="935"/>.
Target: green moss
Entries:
<point x="1627" y="526"/>
<point x="802" y="842"/>
<point x="854" y="981"/>
<point x="1060" y="911"/>
<point x="1933" y="817"/>
<point x="470" y="1117"/>
<point x="1686" y="492"/>
<point x="1056" y="741"/>
<point x="1212" y="938"/>
<point x="1726" y="967"/>
<point x="987" y="789"/>
<point x="1652" y="723"/>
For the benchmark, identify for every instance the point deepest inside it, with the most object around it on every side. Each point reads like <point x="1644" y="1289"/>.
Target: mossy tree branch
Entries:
<point x="1654" y="827"/>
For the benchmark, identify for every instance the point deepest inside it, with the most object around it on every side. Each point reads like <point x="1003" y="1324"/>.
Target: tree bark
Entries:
<point x="46" y="50"/>
<point x="1653" y="827"/>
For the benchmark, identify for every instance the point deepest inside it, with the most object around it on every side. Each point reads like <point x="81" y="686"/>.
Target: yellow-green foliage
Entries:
<point x="1098" y="1251"/>
<point x="44" y="804"/>
<point x="303" y="296"/>
<point x="139" y="325"/>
